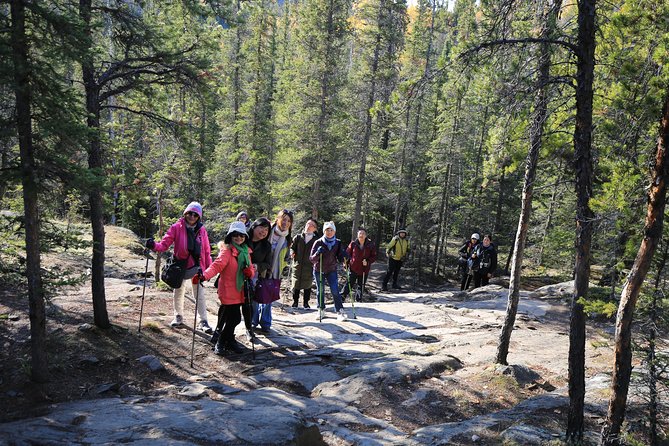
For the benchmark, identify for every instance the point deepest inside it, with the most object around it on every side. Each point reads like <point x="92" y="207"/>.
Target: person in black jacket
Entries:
<point x="468" y="261"/>
<point x="487" y="261"/>
<point x="261" y="251"/>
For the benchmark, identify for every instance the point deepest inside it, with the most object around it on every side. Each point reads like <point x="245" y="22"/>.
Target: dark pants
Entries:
<point x="355" y="281"/>
<point x="394" y="270"/>
<point x="229" y="316"/>
<point x="247" y="312"/>
<point x="481" y="278"/>
<point x="467" y="280"/>
<point x="296" y="297"/>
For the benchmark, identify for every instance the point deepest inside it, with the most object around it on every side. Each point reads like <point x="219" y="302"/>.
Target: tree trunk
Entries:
<point x="95" y="164"/>
<point x="549" y="218"/>
<point x="442" y="217"/>
<point x="622" y="368"/>
<point x="583" y="166"/>
<point x="536" y="137"/>
<point x="19" y="40"/>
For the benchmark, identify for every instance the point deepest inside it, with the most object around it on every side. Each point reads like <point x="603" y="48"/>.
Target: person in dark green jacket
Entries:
<point x="397" y="250"/>
<point x="302" y="277"/>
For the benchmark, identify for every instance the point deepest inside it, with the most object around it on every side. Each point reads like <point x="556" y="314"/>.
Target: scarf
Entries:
<point x="242" y="262"/>
<point x="329" y="242"/>
<point x="278" y="239"/>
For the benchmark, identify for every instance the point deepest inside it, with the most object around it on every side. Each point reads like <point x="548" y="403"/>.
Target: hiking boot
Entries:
<point x="341" y="315"/>
<point x="294" y="304"/>
<point x="219" y="349"/>
<point x="203" y="326"/>
<point x="235" y="347"/>
<point x="250" y="337"/>
<point x="178" y="320"/>
<point x="306" y="304"/>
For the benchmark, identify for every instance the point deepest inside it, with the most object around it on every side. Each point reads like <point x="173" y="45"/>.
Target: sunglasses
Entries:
<point x="191" y="214"/>
<point x="238" y="234"/>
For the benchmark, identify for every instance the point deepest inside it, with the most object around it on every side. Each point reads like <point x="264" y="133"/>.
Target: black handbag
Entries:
<point x="173" y="272"/>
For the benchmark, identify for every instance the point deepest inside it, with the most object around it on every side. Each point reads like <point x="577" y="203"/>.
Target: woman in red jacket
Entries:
<point x="234" y="265"/>
<point x="362" y="253"/>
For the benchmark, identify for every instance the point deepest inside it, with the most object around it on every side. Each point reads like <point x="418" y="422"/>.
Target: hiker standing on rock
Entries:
<point x="191" y="243"/>
<point x="261" y="258"/>
<point x="487" y="257"/>
<point x="468" y="261"/>
<point x="244" y="218"/>
<point x="280" y="240"/>
<point x="326" y="253"/>
<point x="397" y="250"/>
<point x="302" y="277"/>
<point x="234" y="266"/>
<point x="362" y="252"/>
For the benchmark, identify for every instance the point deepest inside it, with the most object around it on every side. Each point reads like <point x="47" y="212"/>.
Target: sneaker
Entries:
<point x="178" y="320"/>
<point x="341" y="315"/>
<point x="235" y="347"/>
<point x="204" y="327"/>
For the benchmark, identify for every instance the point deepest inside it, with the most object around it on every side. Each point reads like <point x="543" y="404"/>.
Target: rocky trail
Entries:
<point x="414" y="368"/>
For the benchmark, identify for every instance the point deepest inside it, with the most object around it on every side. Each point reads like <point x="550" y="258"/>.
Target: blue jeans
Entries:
<point x="262" y="313"/>
<point x="334" y="289"/>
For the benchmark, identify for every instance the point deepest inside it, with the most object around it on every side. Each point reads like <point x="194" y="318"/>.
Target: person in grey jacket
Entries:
<point x="325" y="254"/>
<point x="302" y="277"/>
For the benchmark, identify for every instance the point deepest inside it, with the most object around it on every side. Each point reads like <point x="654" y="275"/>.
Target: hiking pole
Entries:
<point x="197" y="298"/>
<point x="141" y="308"/>
<point x="348" y="283"/>
<point x="321" y="291"/>
<point x="247" y="301"/>
<point x="362" y="288"/>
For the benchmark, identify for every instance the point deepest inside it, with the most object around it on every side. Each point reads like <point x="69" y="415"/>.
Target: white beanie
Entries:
<point x="330" y="225"/>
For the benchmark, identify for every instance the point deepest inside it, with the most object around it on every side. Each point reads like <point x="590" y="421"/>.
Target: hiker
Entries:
<point x="487" y="257"/>
<point x="258" y="234"/>
<point x="325" y="254"/>
<point x="280" y="240"/>
<point x="362" y="252"/>
<point x="397" y="250"/>
<point x="191" y="243"/>
<point x="244" y="218"/>
<point x="302" y="277"/>
<point x="466" y="263"/>
<point x="234" y="266"/>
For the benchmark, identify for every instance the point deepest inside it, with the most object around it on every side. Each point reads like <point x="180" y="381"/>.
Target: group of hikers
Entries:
<point x="254" y="255"/>
<point x="251" y="260"/>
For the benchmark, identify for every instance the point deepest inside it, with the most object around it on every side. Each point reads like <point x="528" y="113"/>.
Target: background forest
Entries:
<point x="442" y="117"/>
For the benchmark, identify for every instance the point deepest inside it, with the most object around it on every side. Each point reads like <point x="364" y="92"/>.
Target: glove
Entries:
<point x="248" y="272"/>
<point x="320" y="250"/>
<point x="150" y="243"/>
<point x="200" y="275"/>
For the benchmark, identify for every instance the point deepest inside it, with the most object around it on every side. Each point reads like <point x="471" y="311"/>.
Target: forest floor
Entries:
<point x="445" y="339"/>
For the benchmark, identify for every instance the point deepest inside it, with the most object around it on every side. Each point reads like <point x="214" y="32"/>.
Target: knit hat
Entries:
<point x="329" y="225"/>
<point x="235" y="227"/>
<point x="476" y="236"/>
<point x="194" y="206"/>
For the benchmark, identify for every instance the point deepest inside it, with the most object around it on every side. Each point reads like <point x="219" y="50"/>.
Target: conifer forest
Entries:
<point x="543" y="123"/>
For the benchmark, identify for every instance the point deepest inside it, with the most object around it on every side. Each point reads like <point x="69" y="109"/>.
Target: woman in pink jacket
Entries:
<point x="234" y="266"/>
<point x="191" y="243"/>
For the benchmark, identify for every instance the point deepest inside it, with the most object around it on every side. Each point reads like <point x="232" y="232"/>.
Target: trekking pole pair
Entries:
<point x="321" y="290"/>
<point x="146" y="271"/>
<point x="348" y="283"/>
<point x="248" y="291"/>
<point x="197" y="298"/>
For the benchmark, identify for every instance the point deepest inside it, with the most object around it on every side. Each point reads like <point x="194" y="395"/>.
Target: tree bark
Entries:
<point x="536" y="138"/>
<point x="22" y="90"/>
<point x="622" y="368"/>
<point x="583" y="166"/>
<point x="95" y="163"/>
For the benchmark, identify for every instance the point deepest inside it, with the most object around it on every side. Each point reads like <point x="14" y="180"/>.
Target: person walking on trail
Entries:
<point x="191" y="243"/>
<point x="468" y="261"/>
<point x="234" y="266"/>
<point x="261" y="258"/>
<point x="244" y="218"/>
<point x="280" y="240"/>
<point x="326" y="253"/>
<point x="486" y="254"/>
<point x="302" y="277"/>
<point x="397" y="250"/>
<point x="362" y="253"/>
